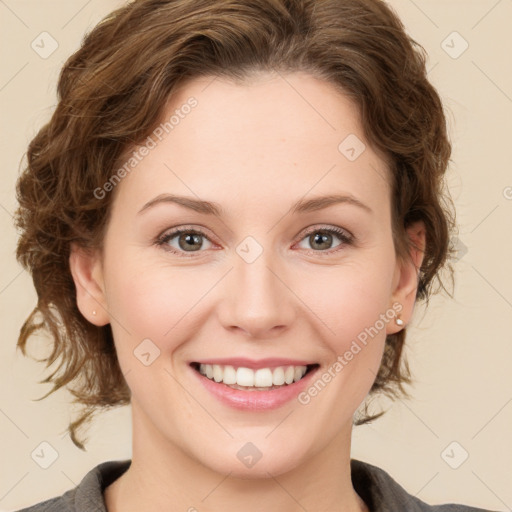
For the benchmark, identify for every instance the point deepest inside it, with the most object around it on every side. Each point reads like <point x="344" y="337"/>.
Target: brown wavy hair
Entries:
<point x="111" y="94"/>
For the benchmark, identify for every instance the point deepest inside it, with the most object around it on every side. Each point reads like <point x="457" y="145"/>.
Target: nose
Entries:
<point x="257" y="300"/>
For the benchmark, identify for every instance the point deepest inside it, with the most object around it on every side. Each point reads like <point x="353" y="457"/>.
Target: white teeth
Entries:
<point x="247" y="377"/>
<point x="229" y="376"/>
<point x="263" y="378"/>
<point x="217" y="373"/>
<point x="278" y="376"/>
<point x="289" y="374"/>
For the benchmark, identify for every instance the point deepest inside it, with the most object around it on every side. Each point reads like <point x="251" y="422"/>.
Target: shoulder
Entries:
<point x="376" y="487"/>
<point x="383" y="494"/>
<point x="88" y="494"/>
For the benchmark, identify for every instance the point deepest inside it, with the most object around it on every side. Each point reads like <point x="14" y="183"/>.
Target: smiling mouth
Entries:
<point x="247" y="379"/>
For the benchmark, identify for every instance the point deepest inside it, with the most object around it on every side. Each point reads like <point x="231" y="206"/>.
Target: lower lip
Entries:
<point x="255" y="400"/>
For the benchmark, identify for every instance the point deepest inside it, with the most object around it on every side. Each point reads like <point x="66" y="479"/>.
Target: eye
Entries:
<point x="321" y="239"/>
<point x="183" y="240"/>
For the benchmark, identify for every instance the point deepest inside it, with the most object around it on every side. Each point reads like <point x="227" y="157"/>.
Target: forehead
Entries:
<point x="275" y="138"/>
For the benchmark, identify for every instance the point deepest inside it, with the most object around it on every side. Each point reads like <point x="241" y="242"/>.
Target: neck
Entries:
<point x="163" y="477"/>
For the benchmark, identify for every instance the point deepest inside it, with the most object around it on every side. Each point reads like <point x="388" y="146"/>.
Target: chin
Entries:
<point x="249" y="460"/>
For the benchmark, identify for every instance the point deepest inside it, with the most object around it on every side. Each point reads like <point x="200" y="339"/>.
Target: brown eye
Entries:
<point x="184" y="240"/>
<point x="322" y="239"/>
<point x="190" y="241"/>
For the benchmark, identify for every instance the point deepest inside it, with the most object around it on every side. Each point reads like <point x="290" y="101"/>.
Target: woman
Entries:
<point x="229" y="219"/>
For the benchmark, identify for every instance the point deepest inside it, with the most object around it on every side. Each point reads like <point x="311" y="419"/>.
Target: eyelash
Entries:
<point x="345" y="238"/>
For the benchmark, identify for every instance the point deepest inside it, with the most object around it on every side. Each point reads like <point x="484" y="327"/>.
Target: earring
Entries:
<point x="399" y="321"/>
<point x="94" y="312"/>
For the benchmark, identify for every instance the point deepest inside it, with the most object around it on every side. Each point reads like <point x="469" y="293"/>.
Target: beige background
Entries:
<point x="460" y="350"/>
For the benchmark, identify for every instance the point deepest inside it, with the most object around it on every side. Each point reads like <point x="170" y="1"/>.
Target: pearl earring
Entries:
<point x="399" y="321"/>
<point x="94" y="312"/>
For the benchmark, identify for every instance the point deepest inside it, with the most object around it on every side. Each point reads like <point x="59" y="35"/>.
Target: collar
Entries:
<point x="376" y="487"/>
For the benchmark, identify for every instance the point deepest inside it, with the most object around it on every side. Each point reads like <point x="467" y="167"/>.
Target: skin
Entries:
<point x="255" y="149"/>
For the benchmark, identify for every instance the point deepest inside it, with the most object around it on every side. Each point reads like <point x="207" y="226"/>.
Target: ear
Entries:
<point x="87" y="272"/>
<point x="405" y="280"/>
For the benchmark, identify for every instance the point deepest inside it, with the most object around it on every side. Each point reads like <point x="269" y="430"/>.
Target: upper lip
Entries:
<point x="269" y="362"/>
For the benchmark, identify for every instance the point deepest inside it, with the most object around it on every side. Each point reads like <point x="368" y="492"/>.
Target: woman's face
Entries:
<point x="261" y="283"/>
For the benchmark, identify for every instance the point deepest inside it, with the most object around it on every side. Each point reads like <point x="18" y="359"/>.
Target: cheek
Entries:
<point x="350" y="301"/>
<point x="153" y="301"/>
<point x="353" y="307"/>
<point x="150" y="299"/>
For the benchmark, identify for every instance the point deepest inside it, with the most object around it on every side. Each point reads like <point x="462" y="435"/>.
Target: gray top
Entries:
<point x="378" y="490"/>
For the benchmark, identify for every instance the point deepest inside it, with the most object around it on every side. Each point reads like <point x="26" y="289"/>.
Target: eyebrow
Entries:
<point x="212" y="208"/>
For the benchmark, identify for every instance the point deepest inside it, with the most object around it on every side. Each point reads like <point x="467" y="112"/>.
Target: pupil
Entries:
<point x="321" y="239"/>
<point x="189" y="240"/>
